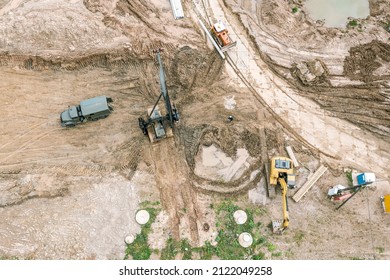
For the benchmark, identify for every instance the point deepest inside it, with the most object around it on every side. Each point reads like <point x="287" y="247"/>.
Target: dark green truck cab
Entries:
<point x="90" y="109"/>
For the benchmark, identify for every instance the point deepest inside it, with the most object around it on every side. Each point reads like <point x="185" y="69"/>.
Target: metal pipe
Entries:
<point x="164" y="91"/>
<point x="360" y="187"/>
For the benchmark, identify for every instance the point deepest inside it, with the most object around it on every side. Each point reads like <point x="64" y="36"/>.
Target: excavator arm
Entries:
<point x="283" y="184"/>
<point x="280" y="226"/>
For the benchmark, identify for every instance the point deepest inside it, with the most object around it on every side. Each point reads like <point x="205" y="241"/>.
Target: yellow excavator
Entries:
<point x="282" y="174"/>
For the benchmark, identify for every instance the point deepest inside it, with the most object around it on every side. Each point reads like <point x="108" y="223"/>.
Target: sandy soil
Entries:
<point x="73" y="193"/>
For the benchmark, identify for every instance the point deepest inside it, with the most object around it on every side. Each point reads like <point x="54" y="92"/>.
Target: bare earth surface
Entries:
<point x="290" y="81"/>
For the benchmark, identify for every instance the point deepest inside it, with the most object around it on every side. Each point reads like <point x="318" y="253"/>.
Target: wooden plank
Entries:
<point x="309" y="183"/>
<point x="292" y="156"/>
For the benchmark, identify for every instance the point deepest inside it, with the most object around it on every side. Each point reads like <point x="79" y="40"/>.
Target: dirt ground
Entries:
<point x="72" y="193"/>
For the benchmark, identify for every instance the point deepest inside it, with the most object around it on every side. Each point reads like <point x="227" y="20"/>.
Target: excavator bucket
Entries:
<point x="277" y="226"/>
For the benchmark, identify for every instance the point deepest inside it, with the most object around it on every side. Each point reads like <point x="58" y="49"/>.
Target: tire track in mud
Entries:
<point x="284" y="124"/>
<point x="254" y="92"/>
<point x="177" y="196"/>
<point x="357" y="66"/>
<point x="316" y="124"/>
<point x="128" y="158"/>
<point x="132" y="59"/>
<point x="26" y="133"/>
<point x="75" y="169"/>
<point x="28" y="143"/>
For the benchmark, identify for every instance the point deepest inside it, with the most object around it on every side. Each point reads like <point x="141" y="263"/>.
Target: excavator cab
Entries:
<point x="282" y="175"/>
<point x="282" y="167"/>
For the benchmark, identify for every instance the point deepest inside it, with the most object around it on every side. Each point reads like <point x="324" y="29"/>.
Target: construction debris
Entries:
<point x="309" y="183"/>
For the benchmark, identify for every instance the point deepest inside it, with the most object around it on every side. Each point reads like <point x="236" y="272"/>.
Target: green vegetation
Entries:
<point x="380" y="249"/>
<point x="271" y="247"/>
<point x="227" y="246"/>
<point x="386" y="26"/>
<point x="349" y="177"/>
<point x="356" y="259"/>
<point x="147" y="203"/>
<point x="353" y="23"/>
<point x="295" y="10"/>
<point x="9" y="258"/>
<point x="139" y="249"/>
<point x="277" y="254"/>
<point x="171" y="250"/>
<point x="298" y="237"/>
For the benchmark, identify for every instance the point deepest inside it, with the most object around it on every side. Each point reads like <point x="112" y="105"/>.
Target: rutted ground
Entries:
<point x="352" y="81"/>
<point x="73" y="193"/>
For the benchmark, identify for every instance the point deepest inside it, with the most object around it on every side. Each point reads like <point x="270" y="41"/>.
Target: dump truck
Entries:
<point x="90" y="109"/>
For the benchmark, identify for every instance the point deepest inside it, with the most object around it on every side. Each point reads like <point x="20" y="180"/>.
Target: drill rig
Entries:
<point x="158" y="126"/>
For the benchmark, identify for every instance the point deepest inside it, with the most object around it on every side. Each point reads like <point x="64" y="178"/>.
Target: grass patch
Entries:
<point x="170" y="250"/>
<point x="298" y="237"/>
<point x="349" y="177"/>
<point x="295" y="10"/>
<point x="226" y="248"/>
<point x="277" y="254"/>
<point x="173" y="248"/>
<point x="357" y="258"/>
<point x="139" y="249"/>
<point x="386" y="26"/>
<point x="380" y="249"/>
<point x="9" y="258"/>
<point x="186" y="249"/>
<point x="271" y="247"/>
<point x="147" y="203"/>
<point x="207" y="251"/>
<point x="353" y="23"/>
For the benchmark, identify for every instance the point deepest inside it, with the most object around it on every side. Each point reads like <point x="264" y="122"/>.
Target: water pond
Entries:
<point x="336" y="12"/>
